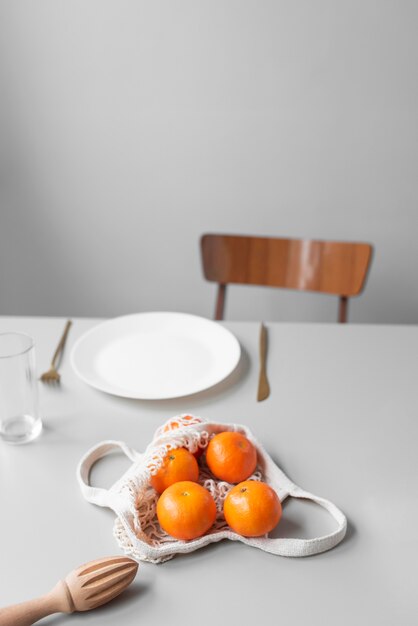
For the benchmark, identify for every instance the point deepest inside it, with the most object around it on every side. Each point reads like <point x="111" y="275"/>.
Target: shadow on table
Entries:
<point x="229" y="385"/>
<point x="304" y="519"/>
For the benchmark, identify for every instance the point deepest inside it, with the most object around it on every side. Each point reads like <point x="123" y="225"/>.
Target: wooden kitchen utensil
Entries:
<point x="85" y="588"/>
<point x="263" y="390"/>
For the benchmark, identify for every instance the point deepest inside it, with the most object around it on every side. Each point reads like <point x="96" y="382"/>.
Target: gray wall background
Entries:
<point x="129" y="128"/>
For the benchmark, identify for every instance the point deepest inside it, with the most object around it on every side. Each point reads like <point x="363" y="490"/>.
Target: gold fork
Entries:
<point x="52" y="375"/>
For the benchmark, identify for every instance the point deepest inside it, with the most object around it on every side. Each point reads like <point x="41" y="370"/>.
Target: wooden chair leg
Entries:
<point x="220" y="302"/>
<point x="343" y="308"/>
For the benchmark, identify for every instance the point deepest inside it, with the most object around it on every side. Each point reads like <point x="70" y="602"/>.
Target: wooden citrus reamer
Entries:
<point x="85" y="588"/>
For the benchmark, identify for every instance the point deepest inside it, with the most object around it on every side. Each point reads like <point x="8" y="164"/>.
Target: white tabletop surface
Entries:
<point x="342" y="421"/>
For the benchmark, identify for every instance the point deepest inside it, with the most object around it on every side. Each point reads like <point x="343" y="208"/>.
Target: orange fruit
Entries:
<point x="231" y="456"/>
<point x="186" y="510"/>
<point x="179" y="464"/>
<point x="252" y="508"/>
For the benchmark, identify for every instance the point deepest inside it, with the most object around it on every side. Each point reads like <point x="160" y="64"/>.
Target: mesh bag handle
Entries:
<point x="111" y="497"/>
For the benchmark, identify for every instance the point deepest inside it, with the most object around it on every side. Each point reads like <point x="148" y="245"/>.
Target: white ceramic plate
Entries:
<point x="153" y="356"/>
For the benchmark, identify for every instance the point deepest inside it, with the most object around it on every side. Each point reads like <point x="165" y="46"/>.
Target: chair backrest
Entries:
<point x="332" y="267"/>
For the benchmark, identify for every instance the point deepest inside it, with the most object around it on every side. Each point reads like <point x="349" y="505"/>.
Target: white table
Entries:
<point x="342" y="421"/>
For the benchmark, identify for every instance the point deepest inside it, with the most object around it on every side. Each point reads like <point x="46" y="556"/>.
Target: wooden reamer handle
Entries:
<point x="26" y="613"/>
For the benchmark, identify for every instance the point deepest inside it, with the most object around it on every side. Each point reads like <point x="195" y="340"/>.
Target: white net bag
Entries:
<point x="134" y="501"/>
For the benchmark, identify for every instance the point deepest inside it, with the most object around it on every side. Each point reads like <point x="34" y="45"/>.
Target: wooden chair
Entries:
<point x="331" y="267"/>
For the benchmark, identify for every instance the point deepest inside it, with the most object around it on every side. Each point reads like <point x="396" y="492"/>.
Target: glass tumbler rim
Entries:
<point x="20" y="352"/>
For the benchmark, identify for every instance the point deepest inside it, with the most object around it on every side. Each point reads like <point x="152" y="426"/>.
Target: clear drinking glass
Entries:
<point x="19" y="416"/>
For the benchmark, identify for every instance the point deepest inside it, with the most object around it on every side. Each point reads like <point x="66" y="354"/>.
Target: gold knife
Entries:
<point x="263" y="391"/>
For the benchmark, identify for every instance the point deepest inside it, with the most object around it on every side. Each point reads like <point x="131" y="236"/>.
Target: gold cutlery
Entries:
<point x="263" y="391"/>
<point x="52" y="375"/>
<point x="85" y="588"/>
